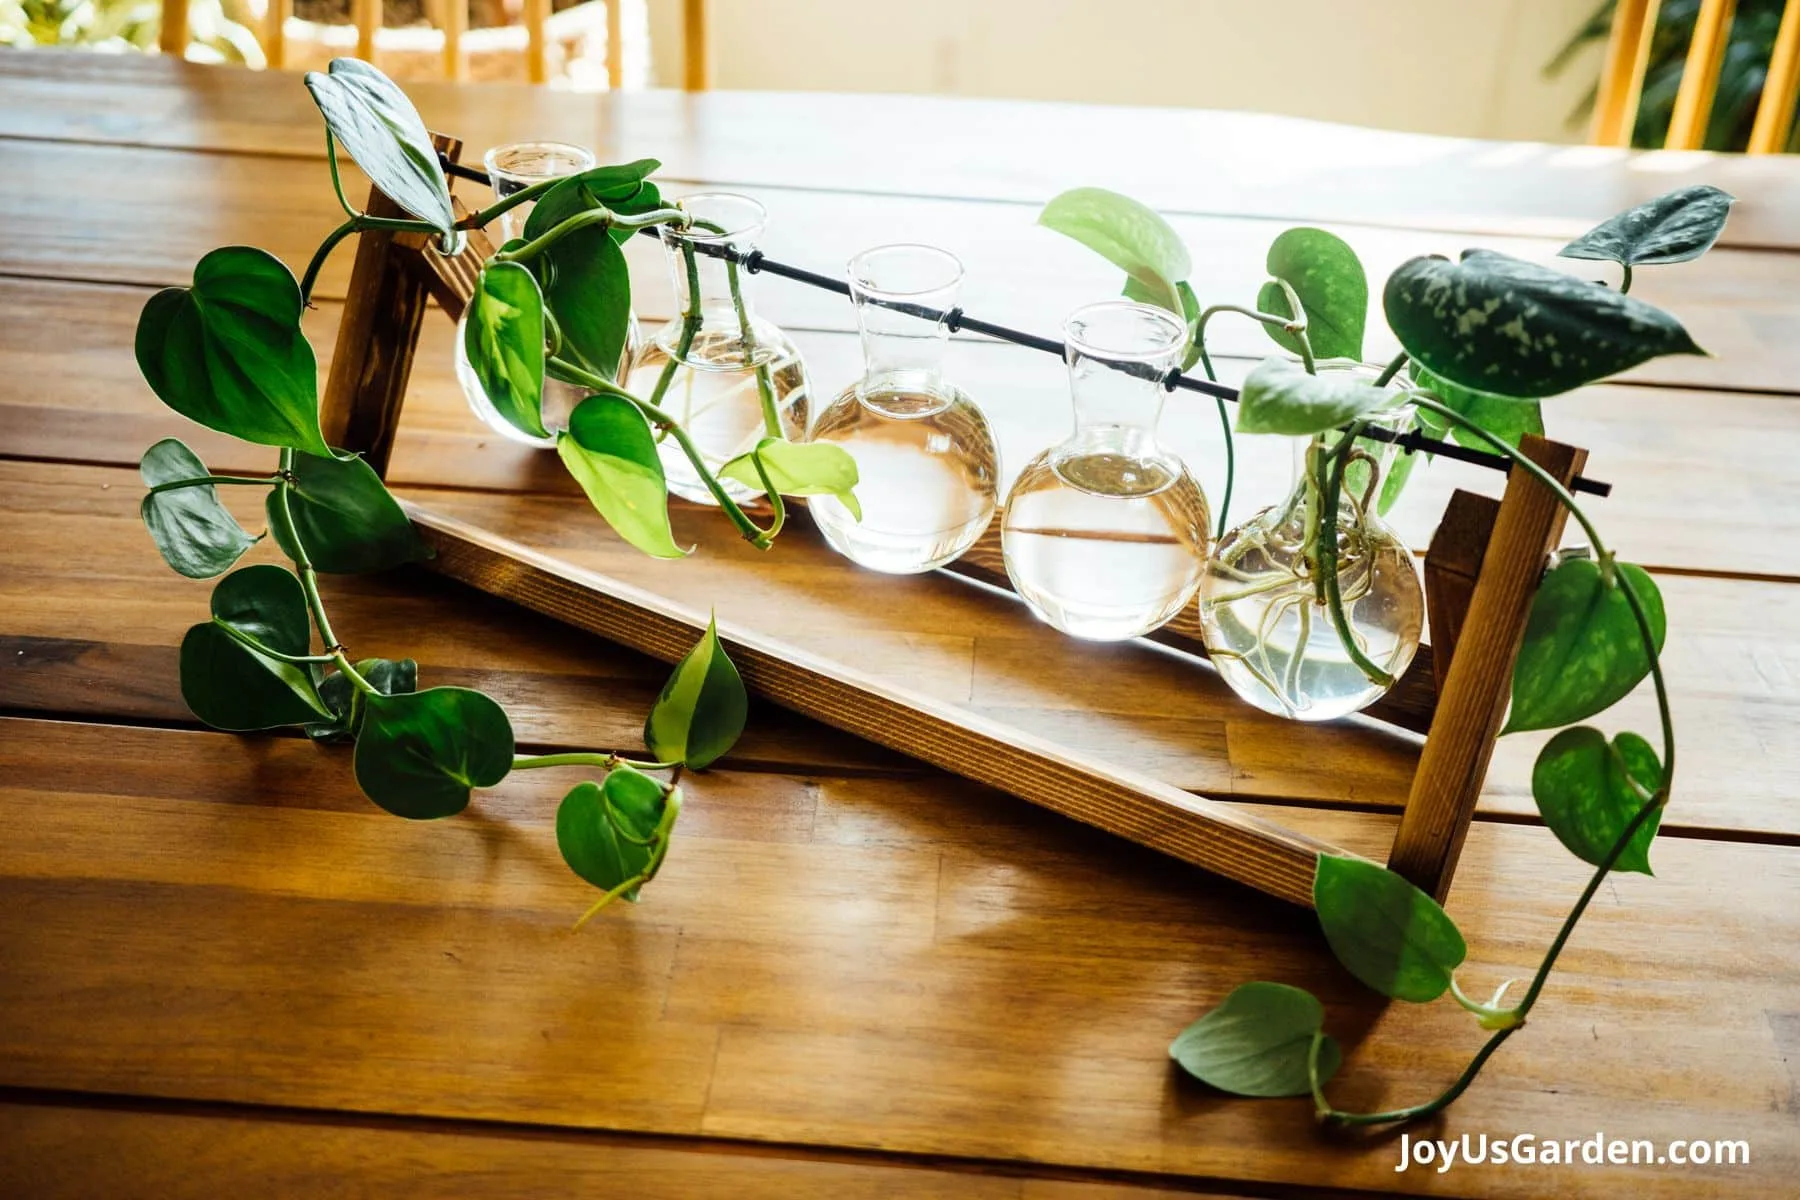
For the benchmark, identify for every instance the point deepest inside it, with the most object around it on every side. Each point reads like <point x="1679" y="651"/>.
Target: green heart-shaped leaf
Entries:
<point x="230" y="686"/>
<point x="1258" y="1042"/>
<point x="228" y="352"/>
<point x="1672" y="228"/>
<point x="346" y="518"/>
<point x="701" y="711"/>
<point x="504" y="339"/>
<point x="601" y="828"/>
<point x="371" y="117"/>
<point x="800" y="469"/>
<point x="624" y="188"/>
<point x="192" y="529"/>
<point x="1328" y="277"/>
<point x="1387" y="932"/>
<point x="583" y="275"/>
<point x="1583" y="788"/>
<point x="1513" y="328"/>
<point x="419" y="754"/>
<point x="1279" y="397"/>
<point x="1583" y="650"/>
<point x="1128" y="235"/>
<point x="588" y="289"/>
<point x="609" y="450"/>
<point x="1506" y="417"/>
<point x="344" y="699"/>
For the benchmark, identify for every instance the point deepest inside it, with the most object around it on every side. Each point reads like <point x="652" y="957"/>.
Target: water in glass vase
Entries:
<point x="928" y="472"/>
<point x="1105" y="535"/>
<point x="1274" y="642"/>
<point x="927" y="478"/>
<point x="729" y="377"/>
<point x="1105" y="546"/>
<point x="715" y="392"/>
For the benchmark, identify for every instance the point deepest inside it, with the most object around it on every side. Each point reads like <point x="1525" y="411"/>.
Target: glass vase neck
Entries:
<point x="1118" y="354"/>
<point x="711" y="292"/>
<point x="903" y="294"/>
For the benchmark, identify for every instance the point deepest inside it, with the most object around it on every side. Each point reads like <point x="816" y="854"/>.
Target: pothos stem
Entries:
<point x="690" y="325"/>
<point x="309" y="578"/>
<point x="586" y="758"/>
<point x="1392" y="369"/>
<point x="765" y="387"/>
<point x="1327" y="555"/>
<point x="200" y="480"/>
<point x="1297" y="326"/>
<point x="753" y="533"/>
<point x="603" y="217"/>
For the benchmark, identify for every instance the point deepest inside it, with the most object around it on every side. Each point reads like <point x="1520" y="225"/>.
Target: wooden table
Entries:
<point x="223" y="973"/>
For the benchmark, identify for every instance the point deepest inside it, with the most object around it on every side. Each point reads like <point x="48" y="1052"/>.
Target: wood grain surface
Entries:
<point x="222" y="972"/>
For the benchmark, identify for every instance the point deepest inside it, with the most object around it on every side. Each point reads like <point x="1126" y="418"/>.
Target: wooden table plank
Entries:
<point x="74" y="393"/>
<point x="69" y="1151"/>
<point x="1183" y="160"/>
<point x="1739" y="303"/>
<point x="94" y="618"/>
<point x="936" y="970"/>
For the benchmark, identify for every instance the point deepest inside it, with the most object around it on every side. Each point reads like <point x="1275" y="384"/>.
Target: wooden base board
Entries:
<point x="884" y="710"/>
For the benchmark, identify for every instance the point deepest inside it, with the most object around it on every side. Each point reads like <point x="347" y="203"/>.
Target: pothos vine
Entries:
<point x="1484" y="339"/>
<point x="229" y="352"/>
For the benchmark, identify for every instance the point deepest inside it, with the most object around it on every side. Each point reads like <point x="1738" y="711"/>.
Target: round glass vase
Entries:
<point x="1105" y="536"/>
<point x="1266" y="616"/>
<point x="512" y="169"/>
<point x="726" y="375"/>
<point x="928" y="472"/>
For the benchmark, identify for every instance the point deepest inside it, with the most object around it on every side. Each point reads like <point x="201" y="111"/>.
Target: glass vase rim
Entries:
<point x="586" y="159"/>
<point x="862" y="283"/>
<point x="755" y="215"/>
<point x="1090" y="348"/>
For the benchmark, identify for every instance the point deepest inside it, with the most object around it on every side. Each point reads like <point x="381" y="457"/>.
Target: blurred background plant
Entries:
<point x="219" y="28"/>
<point x="1746" y="66"/>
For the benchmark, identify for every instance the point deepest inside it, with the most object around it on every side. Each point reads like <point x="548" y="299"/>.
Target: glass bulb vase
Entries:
<point x="1105" y="536"/>
<point x="1267" y="619"/>
<point x="928" y="471"/>
<point x="728" y="376"/>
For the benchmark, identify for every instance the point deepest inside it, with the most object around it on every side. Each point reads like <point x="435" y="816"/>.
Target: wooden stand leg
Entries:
<point x="1473" y="700"/>
<point x="377" y="336"/>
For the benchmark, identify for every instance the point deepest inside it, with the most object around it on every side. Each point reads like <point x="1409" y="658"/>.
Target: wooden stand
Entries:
<point x="1481" y="572"/>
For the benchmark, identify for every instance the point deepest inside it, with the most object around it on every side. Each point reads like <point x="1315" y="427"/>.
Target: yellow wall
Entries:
<point x="1468" y="67"/>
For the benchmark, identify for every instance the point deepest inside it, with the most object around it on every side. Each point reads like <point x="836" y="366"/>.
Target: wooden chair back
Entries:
<point x="1628" y="59"/>
<point x="452" y="16"/>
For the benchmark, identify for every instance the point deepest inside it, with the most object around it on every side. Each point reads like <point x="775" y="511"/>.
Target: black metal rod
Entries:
<point x="955" y="319"/>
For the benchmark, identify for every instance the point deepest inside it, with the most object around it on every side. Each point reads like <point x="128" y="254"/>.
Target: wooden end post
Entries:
<point x="1472" y="702"/>
<point x="377" y="335"/>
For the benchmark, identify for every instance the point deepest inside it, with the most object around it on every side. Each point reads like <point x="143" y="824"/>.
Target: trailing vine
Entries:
<point x="1484" y="339"/>
<point x="229" y="353"/>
